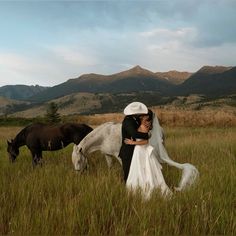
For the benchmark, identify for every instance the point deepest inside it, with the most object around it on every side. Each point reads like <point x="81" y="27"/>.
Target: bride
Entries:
<point x="145" y="170"/>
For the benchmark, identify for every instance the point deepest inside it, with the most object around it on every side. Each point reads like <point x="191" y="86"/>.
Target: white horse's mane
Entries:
<point x="107" y="138"/>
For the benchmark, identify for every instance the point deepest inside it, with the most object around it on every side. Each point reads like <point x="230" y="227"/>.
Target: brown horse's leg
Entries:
<point x="35" y="159"/>
<point x="40" y="158"/>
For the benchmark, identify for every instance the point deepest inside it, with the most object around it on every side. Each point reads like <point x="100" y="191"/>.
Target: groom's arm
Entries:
<point x="132" y="131"/>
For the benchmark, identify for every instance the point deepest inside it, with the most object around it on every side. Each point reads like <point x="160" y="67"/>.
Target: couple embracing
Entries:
<point x="140" y="165"/>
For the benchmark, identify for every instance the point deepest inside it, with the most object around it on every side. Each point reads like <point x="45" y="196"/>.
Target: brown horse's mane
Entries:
<point x="20" y="138"/>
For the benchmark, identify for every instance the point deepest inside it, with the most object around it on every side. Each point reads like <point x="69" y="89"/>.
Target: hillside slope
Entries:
<point x="210" y="81"/>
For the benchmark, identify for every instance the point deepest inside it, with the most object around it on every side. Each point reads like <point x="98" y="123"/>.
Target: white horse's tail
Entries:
<point x="189" y="172"/>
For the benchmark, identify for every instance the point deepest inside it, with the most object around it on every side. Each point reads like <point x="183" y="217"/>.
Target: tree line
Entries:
<point x="51" y="116"/>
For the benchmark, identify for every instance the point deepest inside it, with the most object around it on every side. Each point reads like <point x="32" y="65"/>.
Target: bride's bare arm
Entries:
<point x="132" y="142"/>
<point x="142" y="128"/>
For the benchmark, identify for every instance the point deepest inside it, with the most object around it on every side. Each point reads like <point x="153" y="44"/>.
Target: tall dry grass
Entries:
<point x="54" y="199"/>
<point x="173" y="118"/>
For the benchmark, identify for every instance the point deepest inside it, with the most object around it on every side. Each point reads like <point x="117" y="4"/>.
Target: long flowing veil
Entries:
<point x="189" y="172"/>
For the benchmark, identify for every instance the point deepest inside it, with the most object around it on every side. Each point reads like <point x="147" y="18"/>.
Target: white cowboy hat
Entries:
<point x="135" y="108"/>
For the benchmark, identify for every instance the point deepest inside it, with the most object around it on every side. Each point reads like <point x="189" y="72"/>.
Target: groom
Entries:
<point x="130" y="126"/>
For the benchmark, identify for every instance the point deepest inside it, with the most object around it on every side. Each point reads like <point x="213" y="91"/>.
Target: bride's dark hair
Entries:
<point x="150" y="115"/>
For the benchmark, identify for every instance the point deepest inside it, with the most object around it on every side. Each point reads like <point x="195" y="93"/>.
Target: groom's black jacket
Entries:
<point x="129" y="130"/>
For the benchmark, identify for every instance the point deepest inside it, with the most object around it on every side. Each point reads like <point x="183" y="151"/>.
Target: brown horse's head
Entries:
<point x="13" y="150"/>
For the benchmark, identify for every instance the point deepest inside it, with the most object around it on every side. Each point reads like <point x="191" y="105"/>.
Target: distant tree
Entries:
<point x="52" y="116"/>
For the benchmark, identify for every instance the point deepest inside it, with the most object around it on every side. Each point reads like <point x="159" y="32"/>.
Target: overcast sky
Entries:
<point x="48" y="42"/>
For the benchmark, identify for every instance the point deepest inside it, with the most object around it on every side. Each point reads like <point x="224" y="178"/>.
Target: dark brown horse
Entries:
<point x="41" y="137"/>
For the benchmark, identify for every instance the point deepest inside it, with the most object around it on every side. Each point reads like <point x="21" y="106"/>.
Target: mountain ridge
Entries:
<point x="208" y="80"/>
<point x="20" y="91"/>
<point x="134" y="79"/>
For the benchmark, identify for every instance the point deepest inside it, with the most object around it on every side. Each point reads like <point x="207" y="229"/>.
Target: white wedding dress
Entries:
<point x="145" y="169"/>
<point x="145" y="172"/>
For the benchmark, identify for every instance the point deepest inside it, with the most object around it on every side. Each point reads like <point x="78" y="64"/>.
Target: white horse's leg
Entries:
<point x="109" y="160"/>
<point x="119" y="160"/>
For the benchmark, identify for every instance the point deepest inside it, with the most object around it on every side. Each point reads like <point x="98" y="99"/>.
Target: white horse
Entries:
<point x="107" y="138"/>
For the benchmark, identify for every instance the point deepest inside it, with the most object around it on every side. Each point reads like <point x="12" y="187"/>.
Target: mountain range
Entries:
<point x="20" y="92"/>
<point x="133" y="80"/>
<point x="209" y="81"/>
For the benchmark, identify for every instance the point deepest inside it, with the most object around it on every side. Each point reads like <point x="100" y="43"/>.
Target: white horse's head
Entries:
<point x="79" y="159"/>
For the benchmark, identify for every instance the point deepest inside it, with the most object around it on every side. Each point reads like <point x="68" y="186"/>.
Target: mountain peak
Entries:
<point x="137" y="68"/>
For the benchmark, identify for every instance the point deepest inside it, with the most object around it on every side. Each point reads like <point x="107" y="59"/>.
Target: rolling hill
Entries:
<point x="91" y="103"/>
<point x="8" y="105"/>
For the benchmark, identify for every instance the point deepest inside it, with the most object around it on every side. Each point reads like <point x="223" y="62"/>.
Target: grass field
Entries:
<point x="54" y="199"/>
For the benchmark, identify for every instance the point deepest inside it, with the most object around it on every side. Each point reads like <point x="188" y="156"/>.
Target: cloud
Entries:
<point x="108" y="51"/>
<point x="18" y="69"/>
<point x="186" y="35"/>
<point x="47" y="43"/>
<point x="14" y="68"/>
<point x="72" y="55"/>
<point x="20" y="64"/>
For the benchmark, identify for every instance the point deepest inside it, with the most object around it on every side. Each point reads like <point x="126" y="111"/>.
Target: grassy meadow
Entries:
<point x="54" y="199"/>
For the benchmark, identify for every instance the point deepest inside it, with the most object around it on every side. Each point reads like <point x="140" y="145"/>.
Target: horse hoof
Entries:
<point x="177" y="189"/>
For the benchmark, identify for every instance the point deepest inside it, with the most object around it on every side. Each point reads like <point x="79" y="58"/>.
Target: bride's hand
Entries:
<point x="128" y="141"/>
